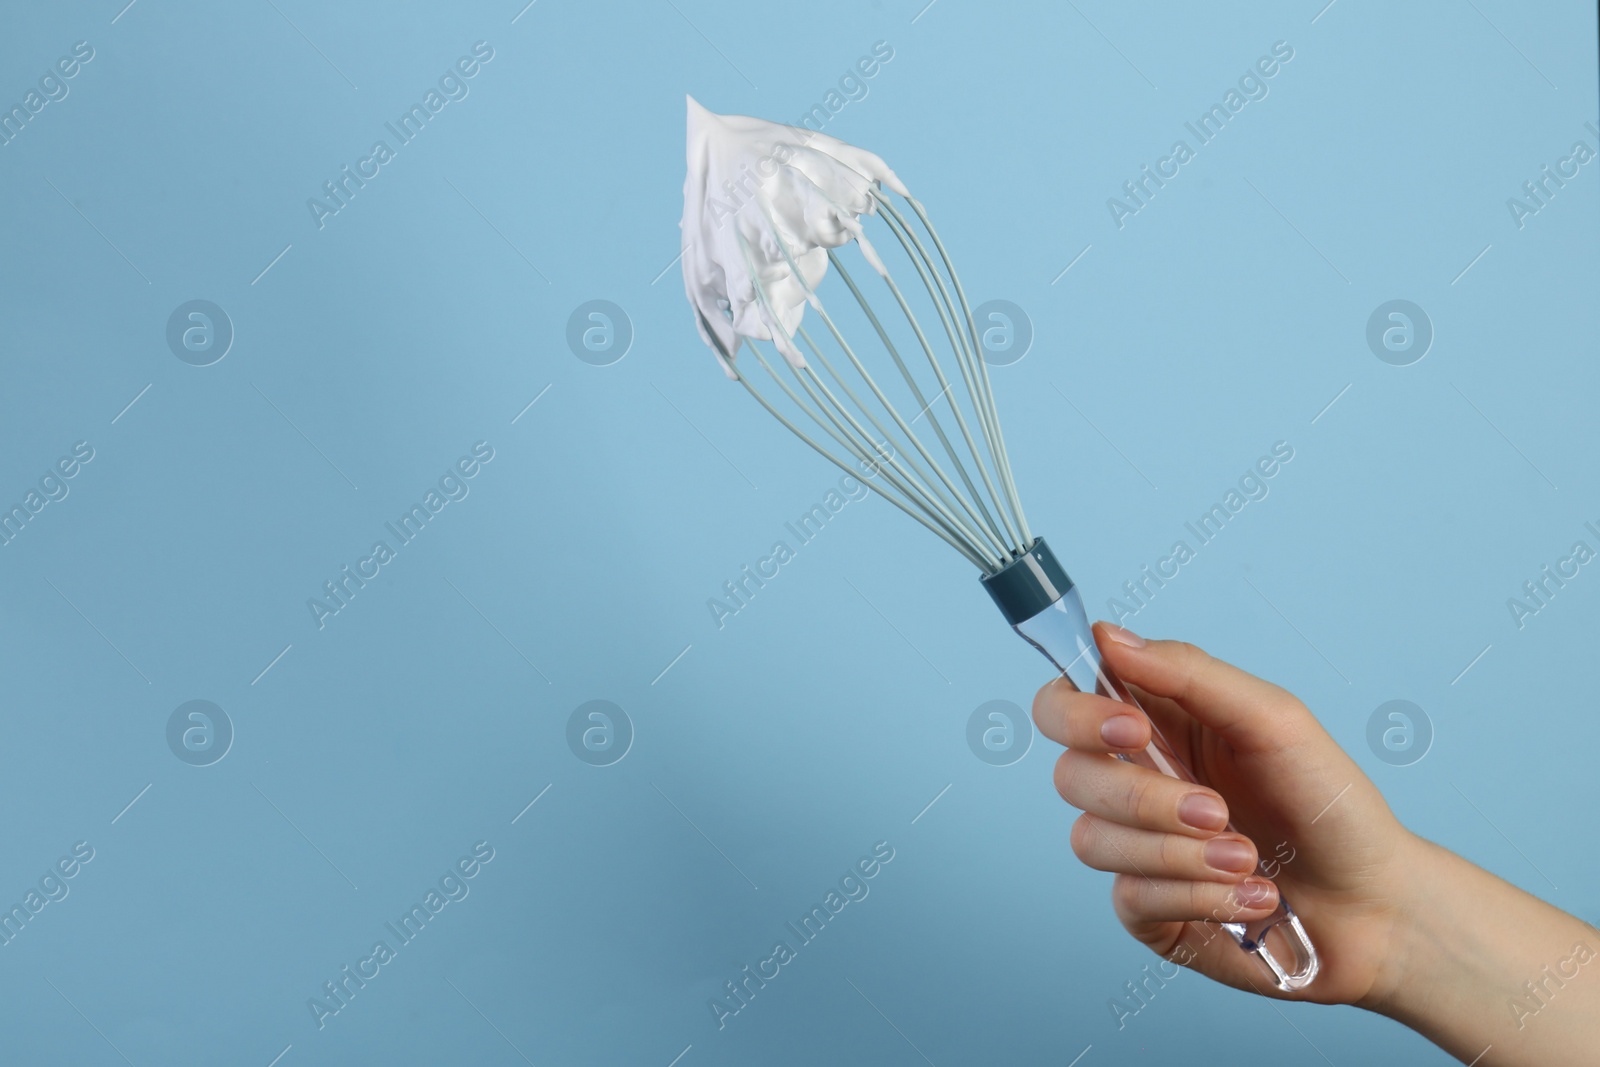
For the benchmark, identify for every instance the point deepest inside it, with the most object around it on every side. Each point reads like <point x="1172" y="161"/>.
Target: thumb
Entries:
<point x="1251" y="714"/>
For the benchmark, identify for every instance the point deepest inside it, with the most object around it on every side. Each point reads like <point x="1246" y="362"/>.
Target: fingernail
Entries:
<point x="1203" y="812"/>
<point x="1122" y="731"/>
<point x="1229" y="854"/>
<point x="1122" y="636"/>
<point x="1253" y="892"/>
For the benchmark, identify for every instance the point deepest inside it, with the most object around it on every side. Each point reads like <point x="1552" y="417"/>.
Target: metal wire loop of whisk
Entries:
<point x="960" y="487"/>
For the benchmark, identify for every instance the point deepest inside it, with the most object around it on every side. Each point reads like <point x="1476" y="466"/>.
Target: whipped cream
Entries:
<point x="756" y="190"/>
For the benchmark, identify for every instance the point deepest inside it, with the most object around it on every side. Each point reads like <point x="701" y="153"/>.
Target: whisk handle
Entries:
<point x="1044" y="607"/>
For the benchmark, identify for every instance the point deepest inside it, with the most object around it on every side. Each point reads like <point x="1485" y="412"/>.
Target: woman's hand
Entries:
<point x="1402" y="926"/>
<point x="1298" y="802"/>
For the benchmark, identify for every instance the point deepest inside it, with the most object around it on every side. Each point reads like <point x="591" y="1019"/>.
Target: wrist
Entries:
<point x="1461" y="943"/>
<point x="1428" y="940"/>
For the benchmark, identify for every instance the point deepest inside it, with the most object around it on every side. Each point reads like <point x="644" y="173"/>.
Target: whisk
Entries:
<point x="765" y="208"/>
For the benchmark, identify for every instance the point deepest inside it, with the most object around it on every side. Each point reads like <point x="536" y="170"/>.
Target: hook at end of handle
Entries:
<point x="1283" y="947"/>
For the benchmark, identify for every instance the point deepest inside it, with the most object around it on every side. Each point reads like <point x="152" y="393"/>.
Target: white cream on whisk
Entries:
<point x="750" y="184"/>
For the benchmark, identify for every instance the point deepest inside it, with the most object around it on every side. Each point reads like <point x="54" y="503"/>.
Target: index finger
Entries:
<point x="1087" y="721"/>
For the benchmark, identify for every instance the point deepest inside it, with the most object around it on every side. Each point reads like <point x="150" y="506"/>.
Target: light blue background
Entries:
<point x="427" y="314"/>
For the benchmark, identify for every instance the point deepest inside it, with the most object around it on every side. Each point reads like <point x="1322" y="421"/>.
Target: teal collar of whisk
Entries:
<point x="1028" y="584"/>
